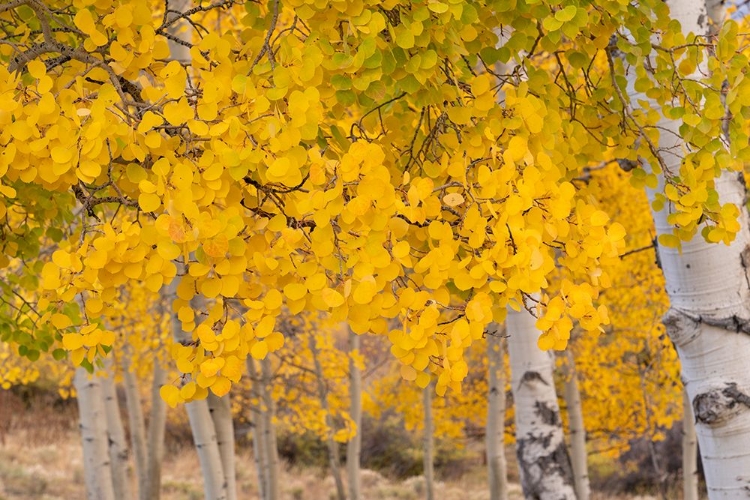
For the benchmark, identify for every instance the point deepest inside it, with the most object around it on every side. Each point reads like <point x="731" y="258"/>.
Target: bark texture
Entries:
<point x="269" y="430"/>
<point x="156" y="423"/>
<point x="689" y="453"/>
<point x="429" y="449"/>
<point x="543" y="461"/>
<point x="495" y="433"/>
<point x="576" y="429"/>
<point x="137" y="429"/>
<point x="221" y="414"/>
<point x="118" y="446"/>
<point x="96" y="462"/>
<point x="353" y="447"/>
<point x="206" y="443"/>
<point x="709" y="319"/>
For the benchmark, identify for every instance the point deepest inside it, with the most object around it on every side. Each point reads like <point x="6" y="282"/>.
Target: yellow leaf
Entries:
<point x="259" y="350"/>
<point x="221" y="386"/>
<point x="211" y="287"/>
<point x="170" y="394"/>
<point x="149" y="202"/>
<point x="72" y="341"/>
<point x="275" y="341"/>
<point x="453" y="199"/>
<point x="332" y="298"/>
<point x="517" y="147"/>
<point x="408" y="373"/>
<point x="599" y="218"/>
<point x="295" y="291"/>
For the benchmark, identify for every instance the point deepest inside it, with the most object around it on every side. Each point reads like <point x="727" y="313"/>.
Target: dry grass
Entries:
<point x="41" y="459"/>
<point x="33" y="470"/>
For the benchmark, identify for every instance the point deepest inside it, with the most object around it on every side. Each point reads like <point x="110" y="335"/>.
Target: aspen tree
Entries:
<point x="429" y="443"/>
<point x="543" y="460"/>
<point x="354" y="445"/>
<point x="118" y="448"/>
<point x="576" y="428"/>
<point x="96" y="461"/>
<point x="495" y="430"/>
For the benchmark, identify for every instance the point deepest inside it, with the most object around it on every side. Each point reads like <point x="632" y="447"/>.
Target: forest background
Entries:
<point x="353" y="233"/>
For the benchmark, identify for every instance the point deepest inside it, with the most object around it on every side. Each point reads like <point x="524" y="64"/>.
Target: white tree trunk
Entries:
<point x="333" y="449"/>
<point x="137" y="429"/>
<point x="156" y="423"/>
<point x="201" y="424"/>
<point x="495" y="433"/>
<point x="118" y="447"/>
<point x="221" y="414"/>
<point x="689" y="453"/>
<point x="259" y="435"/>
<point x="206" y="442"/>
<point x="96" y="462"/>
<point x="429" y="449"/>
<point x="709" y="317"/>
<point x="543" y="461"/>
<point x="576" y="429"/>
<point x="269" y="430"/>
<point x="353" y="447"/>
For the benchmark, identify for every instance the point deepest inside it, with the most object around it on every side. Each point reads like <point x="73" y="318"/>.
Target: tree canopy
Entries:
<point x="366" y="159"/>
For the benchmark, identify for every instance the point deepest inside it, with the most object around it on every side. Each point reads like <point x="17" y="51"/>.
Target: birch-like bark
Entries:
<point x="429" y="448"/>
<point x="333" y="449"/>
<point x="221" y="414"/>
<point x="495" y="432"/>
<point x="259" y="440"/>
<point x="206" y="442"/>
<point x="156" y="424"/>
<point x="543" y="461"/>
<point x="118" y="446"/>
<point x="689" y="453"/>
<point x="269" y="431"/>
<point x="96" y="463"/>
<point x="576" y="429"/>
<point x="353" y="447"/>
<point x="137" y="428"/>
<point x="709" y="318"/>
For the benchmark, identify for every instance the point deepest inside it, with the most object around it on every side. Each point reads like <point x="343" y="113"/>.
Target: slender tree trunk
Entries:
<point x="96" y="462"/>
<point x="156" y="423"/>
<point x="576" y="429"/>
<point x="259" y="435"/>
<point x="689" y="453"/>
<point x="202" y="426"/>
<point x="495" y="433"/>
<point x="353" y="448"/>
<point x="118" y="447"/>
<point x="269" y="431"/>
<point x="206" y="442"/>
<point x="543" y="461"/>
<point x="221" y="414"/>
<point x="333" y="449"/>
<point x="137" y="429"/>
<point x="429" y="448"/>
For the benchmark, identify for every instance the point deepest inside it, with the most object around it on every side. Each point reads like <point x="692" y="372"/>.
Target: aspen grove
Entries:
<point x="417" y="171"/>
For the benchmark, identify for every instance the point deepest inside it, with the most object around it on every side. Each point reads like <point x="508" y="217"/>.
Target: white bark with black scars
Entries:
<point x="543" y="461"/>
<point x="709" y="318"/>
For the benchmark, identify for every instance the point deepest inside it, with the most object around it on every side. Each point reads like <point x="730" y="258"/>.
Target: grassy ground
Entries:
<point x="46" y="465"/>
